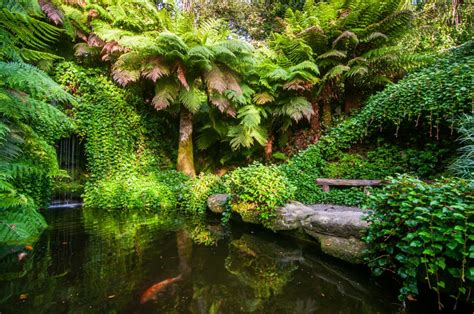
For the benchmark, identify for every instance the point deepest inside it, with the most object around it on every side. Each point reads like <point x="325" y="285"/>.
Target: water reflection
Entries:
<point x="99" y="262"/>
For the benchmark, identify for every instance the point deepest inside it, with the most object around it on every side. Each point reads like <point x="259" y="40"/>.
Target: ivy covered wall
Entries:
<point x="127" y="143"/>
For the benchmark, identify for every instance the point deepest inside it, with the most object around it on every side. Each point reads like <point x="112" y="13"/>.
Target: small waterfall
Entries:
<point x="70" y="154"/>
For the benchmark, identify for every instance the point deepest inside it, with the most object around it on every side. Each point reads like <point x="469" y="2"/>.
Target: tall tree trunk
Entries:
<point x="315" y="121"/>
<point x="269" y="148"/>
<point x="185" y="149"/>
<point x="327" y="114"/>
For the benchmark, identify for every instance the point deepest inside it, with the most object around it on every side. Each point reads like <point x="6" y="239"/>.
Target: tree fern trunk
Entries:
<point x="185" y="149"/>
<point x="269" y="148"/>
<point x="315" y="122"/>
<point x="327" y="114"/>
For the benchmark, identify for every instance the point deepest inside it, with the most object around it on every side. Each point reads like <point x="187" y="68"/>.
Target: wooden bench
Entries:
<point x="327" y="183"/>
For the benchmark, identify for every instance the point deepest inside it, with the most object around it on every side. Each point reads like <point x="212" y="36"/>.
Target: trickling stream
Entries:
<point x="70" y="154"/>
<point x="92" y="261"/>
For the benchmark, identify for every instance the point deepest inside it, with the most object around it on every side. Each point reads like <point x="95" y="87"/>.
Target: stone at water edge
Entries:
<point x="339" y="221"/>
<point x="338" y="229"/>
<point x="216" y="202"/>
<point x="342" y="224"/>
<point x="290" y="216"/>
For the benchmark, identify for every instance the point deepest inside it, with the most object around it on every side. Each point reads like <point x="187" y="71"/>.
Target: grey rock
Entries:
<point x="290" y="216"/>
<point x="332" y="220"/>
<point x="216" y="202"/>
<point x="343" y="224"/>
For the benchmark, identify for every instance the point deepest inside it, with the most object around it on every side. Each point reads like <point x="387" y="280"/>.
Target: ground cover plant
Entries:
<point x="422" y="231"/>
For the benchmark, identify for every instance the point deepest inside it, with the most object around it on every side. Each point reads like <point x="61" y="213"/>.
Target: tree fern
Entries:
<point x="29" y="123"/>
<point x="354" y="43"/>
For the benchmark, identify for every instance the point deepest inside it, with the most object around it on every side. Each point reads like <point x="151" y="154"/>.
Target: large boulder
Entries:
<point x="290" y="216"/>
<point x="339" y="221"/>
<point x="343" y="224"/>
<point x="338" y="229"/>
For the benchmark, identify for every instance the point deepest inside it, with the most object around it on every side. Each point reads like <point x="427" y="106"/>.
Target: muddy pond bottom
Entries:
<point x="91" y="261"/>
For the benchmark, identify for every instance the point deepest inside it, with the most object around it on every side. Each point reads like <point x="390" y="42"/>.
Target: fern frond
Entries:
<point x="263" y="98"/>
<point x="333" y="53"/>
<point x="32" y="81"/>
<point x="296" y="108"/>
<point x="191" y="99"/>
<point x="166" y="90"/>
<point x="242" y="136"/>
<point x="335" y="72"/>
<point x="343" y="36"/>
<point x="27" y="30"/>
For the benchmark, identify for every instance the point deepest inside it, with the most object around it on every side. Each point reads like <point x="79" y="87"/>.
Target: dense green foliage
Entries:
<point x="196" y="192"/>
<point x="439" y="25"/>
<point x="430" y="99"/>
<point x="249" y="76"/>
<point x="422" y="231"/>
<point x="257" y="190"/>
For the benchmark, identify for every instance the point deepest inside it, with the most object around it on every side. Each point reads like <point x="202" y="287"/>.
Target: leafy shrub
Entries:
<point x="302" y="171"/>
<point x="198" y="190"/>
<point x="418" y="227"/>
<point x="130" y="193"/>
<point x="176" y="181"/>
<point x="257" y="190"/>
<point x="347" y="197"/>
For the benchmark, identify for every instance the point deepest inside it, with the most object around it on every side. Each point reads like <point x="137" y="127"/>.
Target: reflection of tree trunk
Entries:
<point x="185" y="150"/>
<point x="269" y="148"/>
<point x="352" y="100"/>
<point x="185" y="252"/>
<point x="327" y="114"/>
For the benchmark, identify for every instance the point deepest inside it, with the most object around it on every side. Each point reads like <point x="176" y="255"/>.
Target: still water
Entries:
<point x="131" y="262"/>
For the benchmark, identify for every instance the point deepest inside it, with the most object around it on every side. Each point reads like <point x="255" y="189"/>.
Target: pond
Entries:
<point x="92" y="261"/>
